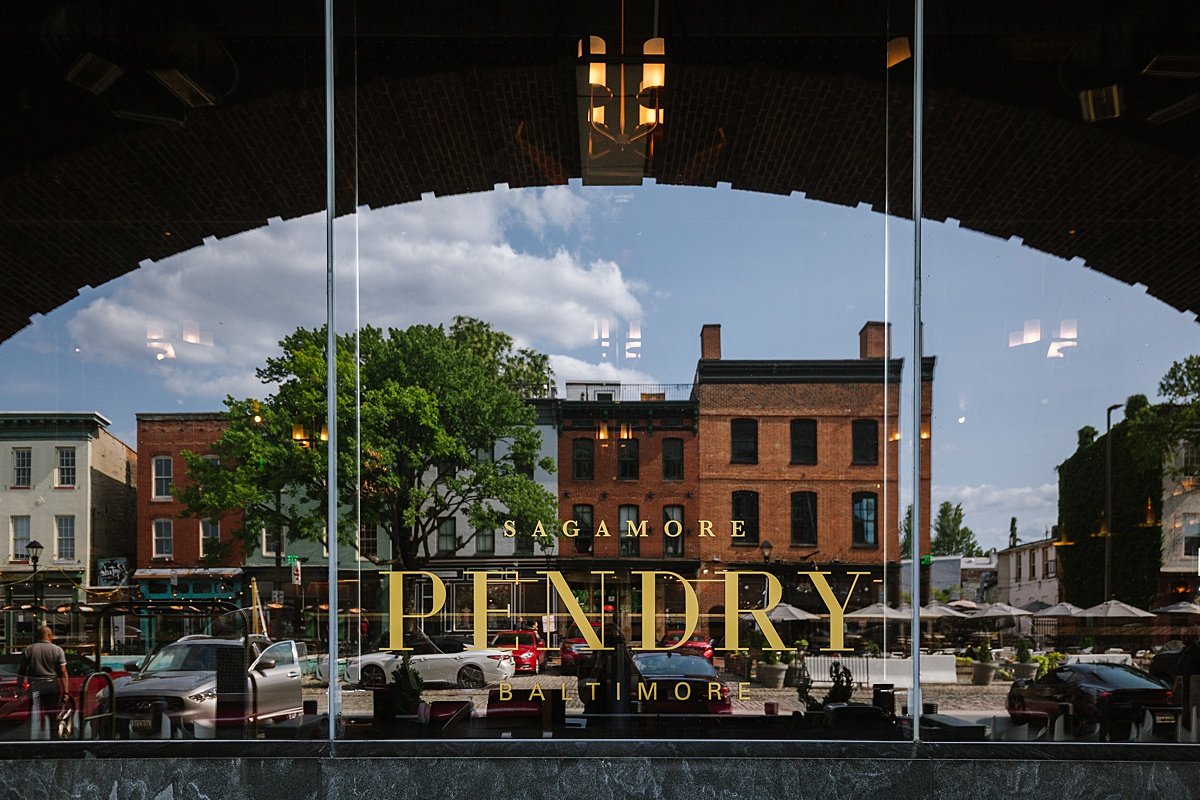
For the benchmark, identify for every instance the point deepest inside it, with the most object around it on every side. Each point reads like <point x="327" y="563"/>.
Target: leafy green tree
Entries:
<point x="950" y="536"/>
<point x="906" y="528"/>
<point x="444" y="430"/>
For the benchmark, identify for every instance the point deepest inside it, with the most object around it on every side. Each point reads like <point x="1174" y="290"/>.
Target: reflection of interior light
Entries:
<point x="898" y="51"/>
<point x="895" y="436"/>
<point x="924" y="434"/>
<point x="602" y="434"/>
<point x="1031" y="333"/>
<point x="1055" y="350"/>
<point x="154" y="330"/>
<point x="166" y="349"/>
<point x="961" y="420"/>
<point x="1068" y="329"/>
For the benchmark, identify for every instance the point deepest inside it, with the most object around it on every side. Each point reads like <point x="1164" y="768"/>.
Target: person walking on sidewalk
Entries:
<point x="44" y="664"/>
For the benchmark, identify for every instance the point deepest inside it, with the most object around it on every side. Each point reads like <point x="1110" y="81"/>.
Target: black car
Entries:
<point x="1111" y="696"/>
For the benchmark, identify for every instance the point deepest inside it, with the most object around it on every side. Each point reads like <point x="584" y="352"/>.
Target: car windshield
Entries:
<point x="673" y="664"/>
<point x="1120" y="676"/>
<point x="513" y="640"/>
<point x="190" y="657"/>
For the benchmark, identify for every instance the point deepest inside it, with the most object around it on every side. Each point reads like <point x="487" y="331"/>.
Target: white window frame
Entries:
<point x="169" y="551"/>
<point x="18" y="468"/>
<point x="18" y="552"/>
<point x="157" y="476"/>
<point x="63" y="470"/>
<point x="59" y="521"/>
<point x="363" y="554"/>
<point x="268" y="542"/>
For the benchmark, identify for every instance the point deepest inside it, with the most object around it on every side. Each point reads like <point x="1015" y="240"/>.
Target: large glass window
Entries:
<point x="804" y="441"/>
<point x="583" y="460"/>
<point x="865" y="444"/>
<point x="66" y="467"/>
<point x="22" y="465"/>
<point x="673" y="530"/>
<point x="164" y="538"/>
<point x="628" y="467"/>
<point x="804" y="519"/>
<point x="745" y="511"/>
<point x="20" y="537"/>
<point x="583" y="517"/>
<point x="743" y="441"/>
<point x="447" y="536"/>
<point x="864" y="519"/>
<point x="164" y="470"/>
<point x="630" y="542"/>
<point x="672" y="459"/>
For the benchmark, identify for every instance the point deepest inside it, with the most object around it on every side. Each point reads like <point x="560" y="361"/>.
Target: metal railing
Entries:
<point x="626" y="392"/>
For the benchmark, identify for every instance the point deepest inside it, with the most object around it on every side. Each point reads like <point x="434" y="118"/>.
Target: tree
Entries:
<point x="1013" y="538"/>
<point x="950" y="536"/>
<point x="906" y="528"/>
<point x="444" y="430"/>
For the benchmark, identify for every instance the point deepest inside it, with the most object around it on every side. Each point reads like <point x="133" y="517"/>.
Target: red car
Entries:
<point x="695" y="643"/>
<point x="575" y="652"/>
<point x="14" y="699"/>
<point x="526" y="647"/>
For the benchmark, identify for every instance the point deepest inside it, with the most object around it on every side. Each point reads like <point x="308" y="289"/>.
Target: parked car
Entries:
<point x="574" y="653"/>
<point x="14" y="699"/>
<point x="525" y="647"/>
<point x="695" y="643"/>
<point x="182" y="677"/>
<point x="669" y="682"/>
<point x="467" y="669"/>
<point x="1113" y="696"/>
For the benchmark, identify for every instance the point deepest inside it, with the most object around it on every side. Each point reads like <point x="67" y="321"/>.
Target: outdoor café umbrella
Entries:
<point x="879" y="612"/>
<point x="1178" y="608"/>
<point x="1001" y="611"/>
<point x="937" y="611"/>
<point x="784" y="612"/>
<point x="1063" y="609"/>
<point x="963" y="604"/>
<point x="1113" y="609"/>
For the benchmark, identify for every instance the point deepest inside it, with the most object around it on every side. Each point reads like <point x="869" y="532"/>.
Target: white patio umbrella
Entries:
<point x="1063" y="609"/>
<point x="784" y="612"/>
<point x="879" y="612"/>
<point x="1113" y="609"/>
<point x="963" y="604"/>
<point x="1178" y="608"/>
<point x="939" y="611"/>
<point x="1001" y="611"/>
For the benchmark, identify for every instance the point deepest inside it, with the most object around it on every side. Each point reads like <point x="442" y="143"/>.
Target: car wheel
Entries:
<point x="471" y="677"/>
<point x="373" y="675"/>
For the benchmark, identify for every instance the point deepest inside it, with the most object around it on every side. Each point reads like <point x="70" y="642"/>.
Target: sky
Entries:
<point x="1029" y="347"/>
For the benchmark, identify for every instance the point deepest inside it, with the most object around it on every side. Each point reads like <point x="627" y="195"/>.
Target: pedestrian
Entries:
<point x="44" y="664"/>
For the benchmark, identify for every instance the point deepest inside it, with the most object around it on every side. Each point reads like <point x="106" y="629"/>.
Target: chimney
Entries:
<point x="874" y="340"/>
<point x="710" y="343"/>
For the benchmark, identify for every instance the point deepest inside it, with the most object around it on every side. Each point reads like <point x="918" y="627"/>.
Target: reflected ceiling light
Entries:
<point x="1068" y="329"/>
<point x="620" y="105"/>
<point x="93" y="73"/>
<point x="1173" y="67"/>
<point x="1056" y="349"/>
<point x="898" y="51"/>
<point x="185" y="87"/>
<point x="1174" y="111"/>
<point x="1031" y="333"/>
<point x="165" y="349"/>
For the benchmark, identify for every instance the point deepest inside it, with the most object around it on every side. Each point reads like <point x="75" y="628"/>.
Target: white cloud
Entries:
<point x="568" y="368"/>
<point x="420" y="262"/>
<point x="987" y="498"/>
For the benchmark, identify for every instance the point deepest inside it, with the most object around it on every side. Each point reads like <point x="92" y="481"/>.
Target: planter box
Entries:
<point x="983" y="673"/>
<point x="771" y="675"/>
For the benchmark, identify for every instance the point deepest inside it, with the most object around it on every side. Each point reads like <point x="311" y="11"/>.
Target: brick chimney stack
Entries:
<point x="710" y="343"/>
<point x="875" y="340"/>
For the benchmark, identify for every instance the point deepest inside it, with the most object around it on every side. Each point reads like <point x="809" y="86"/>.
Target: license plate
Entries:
<point x="1164" y="718"/>
<point x="140" y="725"/>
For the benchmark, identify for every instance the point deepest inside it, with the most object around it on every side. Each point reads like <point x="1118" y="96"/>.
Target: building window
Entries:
<point x="523" y="545"/>
<point x="163" y="469"/>
<point x="585" y="541"/>
<point x="672" y="459"/>
<point x="583" y="460"/>
<point x="164" y="538"/>
<point x="269" y="540"/>
<point x="865" y="435"/>
<point x="65" y="544"/>
<point x="447" y="536"/>
<point x="210" y="536"/>
<point x="743" y="441"/>
<point x="804" y="519"/>
<point x="20" y="537"/>
<point x="673" y="531"/>
<point x="485" y="541"/>
<point x="368" y="541"/>
<point x="66" y="467"/>
<point x="486" y="455"/>
<point x="1017" y="559"/>
<point x="804" y="441"/>
<point x="627" y="460"/>
<point x="864" y="519"/>
<point x="1051" y="569"/>
<point x="1032" y="565"/>
<point x="745" y="508"/>
<point x="627" y="520"/>
<point x="22" y="467"/>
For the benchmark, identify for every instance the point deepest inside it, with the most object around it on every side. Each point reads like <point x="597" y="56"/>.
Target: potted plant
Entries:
<point x="985" y="668"/>
<point x="770" y="672"/>
<point x="1025" y="667"/>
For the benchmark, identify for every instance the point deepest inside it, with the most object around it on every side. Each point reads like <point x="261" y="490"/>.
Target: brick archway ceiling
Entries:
<point x="82" y="213"/>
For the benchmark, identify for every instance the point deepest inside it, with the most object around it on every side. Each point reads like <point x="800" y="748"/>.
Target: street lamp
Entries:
<point x="34" y="551"/>
<point x="765" y="548"/>
<point x="1108" y="500"/>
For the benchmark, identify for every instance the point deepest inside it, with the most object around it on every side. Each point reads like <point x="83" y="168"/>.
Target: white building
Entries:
<point x="1028" y="574"/>
<point x="68" y="485"/>
<point x="1179" y="576"/>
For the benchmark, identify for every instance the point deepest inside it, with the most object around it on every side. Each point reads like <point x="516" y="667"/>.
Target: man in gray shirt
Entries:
<point x="45" y="665"/>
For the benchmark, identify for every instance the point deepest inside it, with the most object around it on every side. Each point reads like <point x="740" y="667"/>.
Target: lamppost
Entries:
<point x="34" y="551"/>
<point x="1108" y="501"/>
<point x="766" y="548"/>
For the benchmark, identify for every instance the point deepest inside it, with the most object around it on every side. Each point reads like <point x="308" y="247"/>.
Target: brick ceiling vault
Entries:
<point x="90" y="212"/>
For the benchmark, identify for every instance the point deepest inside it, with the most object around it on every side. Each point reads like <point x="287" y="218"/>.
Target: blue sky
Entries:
<point x="786" y="277"/>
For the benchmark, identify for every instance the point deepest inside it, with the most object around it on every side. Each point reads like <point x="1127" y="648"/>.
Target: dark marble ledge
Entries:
<point x="600" y="748"/>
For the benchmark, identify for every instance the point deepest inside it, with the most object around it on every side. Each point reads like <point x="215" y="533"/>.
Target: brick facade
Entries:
<point x="162" y="436"/>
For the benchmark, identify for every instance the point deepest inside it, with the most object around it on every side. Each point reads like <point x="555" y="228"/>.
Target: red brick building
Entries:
<point x="802" y="452"/>
<point x="167" y="540"/>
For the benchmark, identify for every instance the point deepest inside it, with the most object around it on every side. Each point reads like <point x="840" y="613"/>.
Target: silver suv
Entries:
<point x="175" y="691"/>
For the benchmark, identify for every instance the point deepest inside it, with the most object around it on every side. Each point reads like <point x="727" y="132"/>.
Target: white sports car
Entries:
<point x="469" y="669"/>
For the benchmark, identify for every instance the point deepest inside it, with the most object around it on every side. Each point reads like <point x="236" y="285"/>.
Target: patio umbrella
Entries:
<point x="962" y="604"/>
<point x="1063" y="609"/>
<point x="1113" y="609"/>
<point x="879" y="612"/>
<point x="1178" y="608"/>
<point x="936" y="611"/>
<point x="784" y="612"/>
<point x="1035" y="606"/>
<point x="1001" y="611"/>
